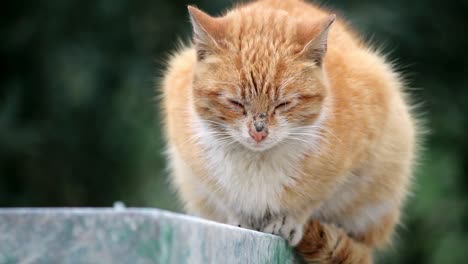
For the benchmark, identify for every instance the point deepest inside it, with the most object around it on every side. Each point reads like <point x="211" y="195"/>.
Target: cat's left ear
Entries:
<point x="315" y="38"/>
<point x="206" y="31"/>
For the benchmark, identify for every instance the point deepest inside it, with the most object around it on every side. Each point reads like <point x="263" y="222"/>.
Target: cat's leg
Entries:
<point x="289" y="225"/>
<point x="379" y="235"/>
<point x="285" y="226"/>
<point x="237" y="221"/>
<point x="327" y="244"/>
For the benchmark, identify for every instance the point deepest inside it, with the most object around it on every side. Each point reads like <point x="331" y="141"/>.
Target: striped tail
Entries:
<point x="324" y="243"/>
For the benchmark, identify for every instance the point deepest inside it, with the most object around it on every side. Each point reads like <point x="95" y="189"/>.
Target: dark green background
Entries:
<point x="79" y="124"/>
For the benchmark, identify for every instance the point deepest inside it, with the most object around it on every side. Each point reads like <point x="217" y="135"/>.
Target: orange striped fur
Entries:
<point x="279" y="118"/>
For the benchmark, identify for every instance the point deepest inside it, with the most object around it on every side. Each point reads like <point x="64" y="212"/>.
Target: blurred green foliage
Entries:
<point x="79" y="123"/>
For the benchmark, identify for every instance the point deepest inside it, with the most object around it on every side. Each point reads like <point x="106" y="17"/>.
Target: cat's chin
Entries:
<point x="257" y="147"/>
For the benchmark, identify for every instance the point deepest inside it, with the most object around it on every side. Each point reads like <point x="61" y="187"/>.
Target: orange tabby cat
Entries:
<point x="281" y="119"/>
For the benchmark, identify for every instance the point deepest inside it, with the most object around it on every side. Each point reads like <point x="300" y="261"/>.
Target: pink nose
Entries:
<point x="258" y="136"/>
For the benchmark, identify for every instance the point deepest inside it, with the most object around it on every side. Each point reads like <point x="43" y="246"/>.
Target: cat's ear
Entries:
<point x="315" y="38"/>
<point x="206" y="31"/>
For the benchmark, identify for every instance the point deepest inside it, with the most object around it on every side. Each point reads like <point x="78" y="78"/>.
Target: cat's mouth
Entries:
<point x="259" y="146"/>
<point x="249" y="142"/>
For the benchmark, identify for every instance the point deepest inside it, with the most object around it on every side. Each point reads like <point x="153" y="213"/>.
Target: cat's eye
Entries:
<point x="282" y="105"/>
<point x="236" y="103"/>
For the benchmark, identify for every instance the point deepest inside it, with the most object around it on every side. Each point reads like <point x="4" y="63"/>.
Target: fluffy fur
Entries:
<point x="332" y="174"/>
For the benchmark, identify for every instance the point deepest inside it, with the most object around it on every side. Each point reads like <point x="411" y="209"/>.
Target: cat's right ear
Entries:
<point x="314" y="37"/>
<point x="206" y="31"/>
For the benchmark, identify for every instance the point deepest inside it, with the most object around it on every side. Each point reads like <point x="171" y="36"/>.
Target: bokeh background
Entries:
<point x="79" y="123"/>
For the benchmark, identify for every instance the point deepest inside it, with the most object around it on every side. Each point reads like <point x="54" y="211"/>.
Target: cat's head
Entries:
<point x="259" y="76"/>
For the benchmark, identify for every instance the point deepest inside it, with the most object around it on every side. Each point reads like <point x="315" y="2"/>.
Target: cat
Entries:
<point x="279" y="118"/>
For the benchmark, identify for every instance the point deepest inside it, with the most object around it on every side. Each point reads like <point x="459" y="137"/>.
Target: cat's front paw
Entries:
<point x="287" y="227"/>
<point x="237" y="222"/>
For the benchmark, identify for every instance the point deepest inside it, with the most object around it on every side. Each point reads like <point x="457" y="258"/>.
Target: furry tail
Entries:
<point x="323" y="243"/>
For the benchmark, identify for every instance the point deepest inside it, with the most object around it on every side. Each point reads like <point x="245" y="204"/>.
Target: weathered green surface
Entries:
<point x="130" y="236"/>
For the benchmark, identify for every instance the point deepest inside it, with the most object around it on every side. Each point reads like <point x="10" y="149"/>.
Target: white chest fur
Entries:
<point x="252" y="182"/>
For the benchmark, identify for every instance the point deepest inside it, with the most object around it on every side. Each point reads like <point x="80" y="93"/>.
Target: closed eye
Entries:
<point x="236" y="103"/>
<point x="282" y="105"/>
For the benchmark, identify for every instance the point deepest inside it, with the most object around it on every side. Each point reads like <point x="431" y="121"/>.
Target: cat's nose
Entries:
<point x="259" y="126"/>
<point x="259" y="133"/>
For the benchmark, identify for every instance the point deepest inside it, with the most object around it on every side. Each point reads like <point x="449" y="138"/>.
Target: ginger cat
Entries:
<point x="280" y="119"/>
